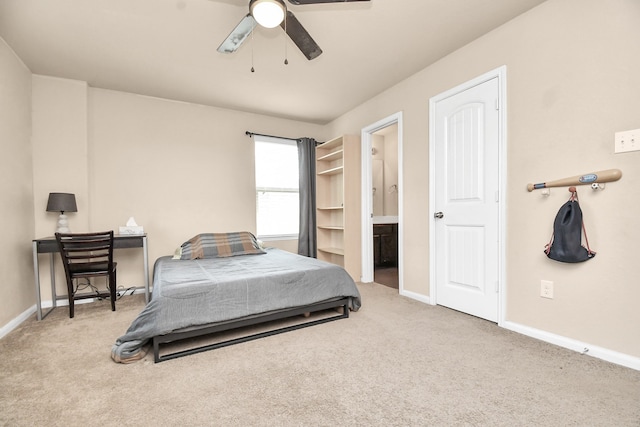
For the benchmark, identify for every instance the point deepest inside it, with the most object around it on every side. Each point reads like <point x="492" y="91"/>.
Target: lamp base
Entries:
<point x="63" y="224"/>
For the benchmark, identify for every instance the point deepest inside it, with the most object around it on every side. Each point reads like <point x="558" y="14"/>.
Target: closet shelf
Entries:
<point x="331" y="227"/>
<point x="332" y="171"/>
<point x="335" y="155"/>
<point x="335" y="251"/>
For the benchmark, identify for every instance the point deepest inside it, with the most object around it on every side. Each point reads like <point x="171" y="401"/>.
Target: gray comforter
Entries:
<point x="204" y="291"/>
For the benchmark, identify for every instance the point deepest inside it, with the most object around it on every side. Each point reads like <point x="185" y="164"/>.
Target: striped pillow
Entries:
<point x="218" y="245"/>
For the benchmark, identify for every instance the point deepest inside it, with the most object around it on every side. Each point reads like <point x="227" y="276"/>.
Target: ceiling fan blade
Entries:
<point x="238" y="35"/>
<point x="301" y="37"/>
<point x="299" y="2"/>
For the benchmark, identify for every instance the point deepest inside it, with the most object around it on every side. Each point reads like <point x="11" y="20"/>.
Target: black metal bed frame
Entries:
<point x="244" y="322"/>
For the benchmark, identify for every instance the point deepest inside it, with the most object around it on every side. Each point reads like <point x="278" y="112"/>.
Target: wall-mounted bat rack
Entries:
<point x="595" y="179"/>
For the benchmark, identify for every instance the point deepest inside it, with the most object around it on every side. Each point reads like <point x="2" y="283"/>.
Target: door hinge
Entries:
<point x="497" y="104"/>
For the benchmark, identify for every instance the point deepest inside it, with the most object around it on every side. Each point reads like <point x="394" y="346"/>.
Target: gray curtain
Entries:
<point x="307" y="245"/>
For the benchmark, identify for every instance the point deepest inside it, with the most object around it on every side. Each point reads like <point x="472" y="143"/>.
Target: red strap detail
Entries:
<point x="547" y="247"/>
<point x="574" y="196"/>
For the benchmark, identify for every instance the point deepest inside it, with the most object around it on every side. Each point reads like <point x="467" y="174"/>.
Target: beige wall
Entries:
<point x="16" y="187"/>
<point x="573" y="81"/>
<point x="59" y="140"/>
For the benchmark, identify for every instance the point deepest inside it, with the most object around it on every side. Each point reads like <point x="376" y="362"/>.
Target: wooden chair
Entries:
<point x="86" y="255"/>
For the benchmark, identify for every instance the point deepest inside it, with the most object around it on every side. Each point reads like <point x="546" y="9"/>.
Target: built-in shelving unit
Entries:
<point x="338" y="202"/>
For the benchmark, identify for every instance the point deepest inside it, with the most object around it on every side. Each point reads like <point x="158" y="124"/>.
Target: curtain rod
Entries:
<point x="250" y="134"/>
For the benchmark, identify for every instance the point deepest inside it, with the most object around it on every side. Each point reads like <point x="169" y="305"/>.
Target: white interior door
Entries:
<point x="466" y="208"/>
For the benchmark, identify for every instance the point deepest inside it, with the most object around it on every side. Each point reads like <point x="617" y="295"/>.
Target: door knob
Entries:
<point x="438" y="215"/>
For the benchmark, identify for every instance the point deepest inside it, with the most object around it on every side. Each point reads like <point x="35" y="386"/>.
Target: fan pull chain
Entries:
<point x="252" y="69"/>
<point x="286" y="61"/>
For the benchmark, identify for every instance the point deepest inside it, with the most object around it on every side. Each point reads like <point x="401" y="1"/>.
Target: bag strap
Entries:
<point x="574" y="194"/>
<point x="574" y="197"/>
<point x="547" y="247"/>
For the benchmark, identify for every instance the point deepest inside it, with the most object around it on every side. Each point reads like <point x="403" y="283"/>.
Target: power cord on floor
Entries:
<point x="86" y="285"/>
<point x="121" y="291"/>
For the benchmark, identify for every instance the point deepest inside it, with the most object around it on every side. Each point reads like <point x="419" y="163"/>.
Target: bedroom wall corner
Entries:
<point x="59" y="138"/>
<point x="16" y="187"/>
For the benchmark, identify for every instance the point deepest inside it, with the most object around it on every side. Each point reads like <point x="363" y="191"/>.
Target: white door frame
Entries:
<point x="367" y="197"/>
<point x="501" y="74"/>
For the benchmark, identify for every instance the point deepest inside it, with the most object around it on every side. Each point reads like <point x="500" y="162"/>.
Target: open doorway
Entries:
<point x="382" y="202"/>
<point x="384" y="176"/>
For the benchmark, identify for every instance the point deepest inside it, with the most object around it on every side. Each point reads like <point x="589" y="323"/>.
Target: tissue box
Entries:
<point x="131" y="229"/>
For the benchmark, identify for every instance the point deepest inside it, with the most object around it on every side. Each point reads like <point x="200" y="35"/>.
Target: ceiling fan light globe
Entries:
<point x="268" y="13"/>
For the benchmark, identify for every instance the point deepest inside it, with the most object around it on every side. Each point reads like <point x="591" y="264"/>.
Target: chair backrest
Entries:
<point x="91" y="251"/>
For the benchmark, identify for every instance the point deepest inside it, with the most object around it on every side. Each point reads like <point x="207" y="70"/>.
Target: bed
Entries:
<point x="226" y="281"/>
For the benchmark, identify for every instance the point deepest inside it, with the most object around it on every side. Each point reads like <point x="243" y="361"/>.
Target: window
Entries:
<point x="277" y="186"/>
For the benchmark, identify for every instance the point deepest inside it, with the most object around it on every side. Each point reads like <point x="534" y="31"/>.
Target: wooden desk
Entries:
<point x="50" y="245"/>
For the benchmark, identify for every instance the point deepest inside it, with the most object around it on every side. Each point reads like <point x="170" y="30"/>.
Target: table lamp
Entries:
<point x="62" y="202"/>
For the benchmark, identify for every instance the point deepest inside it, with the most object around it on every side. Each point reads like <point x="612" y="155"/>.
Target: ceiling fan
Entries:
<point x="270" y="14"/>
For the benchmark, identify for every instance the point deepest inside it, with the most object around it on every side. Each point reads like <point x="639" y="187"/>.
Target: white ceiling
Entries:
<point x="167" y="48"/>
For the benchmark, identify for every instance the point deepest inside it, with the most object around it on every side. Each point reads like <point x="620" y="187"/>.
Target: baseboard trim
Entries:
<point x="9" y="327"/>
<point x="22" y="317"/>
<point x="575" y="345"/>
<point x="415" y="296"/>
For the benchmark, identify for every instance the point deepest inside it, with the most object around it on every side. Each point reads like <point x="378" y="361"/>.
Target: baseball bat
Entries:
<point x="608" y="175"/>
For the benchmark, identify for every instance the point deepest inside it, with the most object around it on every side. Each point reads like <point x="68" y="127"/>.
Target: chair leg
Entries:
<point x="112" y="288"/>
<point x="70" y="293"/>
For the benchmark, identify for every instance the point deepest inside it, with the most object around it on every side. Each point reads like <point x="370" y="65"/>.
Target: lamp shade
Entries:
<point x="268" y="13"/>
<point x="62" y="202"/>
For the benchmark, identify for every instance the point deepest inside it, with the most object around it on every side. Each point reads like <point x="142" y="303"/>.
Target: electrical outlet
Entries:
<point x="627" y="141"/>
<point x="546" y="289"/>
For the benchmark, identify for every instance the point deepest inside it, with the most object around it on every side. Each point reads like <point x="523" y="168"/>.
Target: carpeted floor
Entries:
<point x="396" y="362"/>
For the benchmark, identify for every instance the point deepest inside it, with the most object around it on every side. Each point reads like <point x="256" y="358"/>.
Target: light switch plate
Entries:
<point x="626" y="141"/>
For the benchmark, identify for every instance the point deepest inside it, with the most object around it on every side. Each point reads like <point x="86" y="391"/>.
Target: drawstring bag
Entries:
<point x="565" y="244"/>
